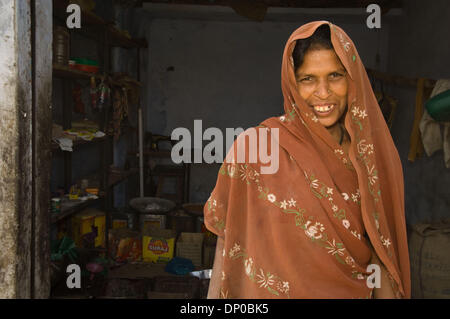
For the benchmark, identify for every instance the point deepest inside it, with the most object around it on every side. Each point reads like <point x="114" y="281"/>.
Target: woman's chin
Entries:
<point x="328" y="122"/>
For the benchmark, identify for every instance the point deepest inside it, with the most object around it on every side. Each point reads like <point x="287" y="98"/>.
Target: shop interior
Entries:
<point x="120" y="208"/>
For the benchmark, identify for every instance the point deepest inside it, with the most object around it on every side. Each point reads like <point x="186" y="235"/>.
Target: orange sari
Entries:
<point x="305" y="231"/>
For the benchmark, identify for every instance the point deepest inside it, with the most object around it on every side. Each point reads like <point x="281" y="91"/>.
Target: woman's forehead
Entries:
<point x="320" y="60"/>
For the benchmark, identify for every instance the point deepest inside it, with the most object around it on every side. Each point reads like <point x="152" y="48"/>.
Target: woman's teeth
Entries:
<point x="323" y="108"/>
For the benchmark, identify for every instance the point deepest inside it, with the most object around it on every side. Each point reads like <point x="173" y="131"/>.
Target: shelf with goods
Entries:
<point x="106" y="36"/>
<point x="89" y="20"/>
<point x="66" y="72"/>
<point x="81" y="142"/>
<point x="70" y="207"/>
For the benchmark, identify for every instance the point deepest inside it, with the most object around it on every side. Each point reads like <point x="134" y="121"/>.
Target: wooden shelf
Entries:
<point x="120" y="39"/>
<point x="96" y="249"/>
<point x="69" y="208"/>
<point x="61" y="71"/>
<point x="79" y="142"/>
<point x="107" y="35"/>
<point x="152" y="153"/>
<point x="117" y="37"/>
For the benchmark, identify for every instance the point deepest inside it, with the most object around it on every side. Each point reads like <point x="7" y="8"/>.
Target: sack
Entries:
<point x="429" y="250"/>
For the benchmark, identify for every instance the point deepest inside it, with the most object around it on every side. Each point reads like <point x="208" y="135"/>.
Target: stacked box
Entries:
<point x="158" y="245"/>
<point x="125" y="245"/>
<point x="189" y="245"/>
<point x="119" y="223"/>
<point x="88" y="228"/>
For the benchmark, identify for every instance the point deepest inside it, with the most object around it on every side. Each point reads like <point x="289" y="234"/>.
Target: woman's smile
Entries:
<point x="324" y="109"/>
<point x="322" y="83"/>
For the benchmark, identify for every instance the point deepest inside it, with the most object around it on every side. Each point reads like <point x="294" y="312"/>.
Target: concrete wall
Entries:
<point x="15" y="162"/>
<point x="24" y="148"/>
<point x="224" y="71"/>
<point x="42" y="158"/>
<point x="420" y="47"/>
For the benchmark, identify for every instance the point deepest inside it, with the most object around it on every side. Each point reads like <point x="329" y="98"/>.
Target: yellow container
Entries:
<point x="120" y="223"/>
<point x="88" y="221"/>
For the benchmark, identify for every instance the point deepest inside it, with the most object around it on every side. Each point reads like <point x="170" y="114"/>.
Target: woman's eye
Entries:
<point x="306" y="79"/>
<point x="336" y="75"/>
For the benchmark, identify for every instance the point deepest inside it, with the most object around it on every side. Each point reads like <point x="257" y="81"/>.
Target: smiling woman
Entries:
<point x="334" y="207"/>
<point x="322" y="82"/>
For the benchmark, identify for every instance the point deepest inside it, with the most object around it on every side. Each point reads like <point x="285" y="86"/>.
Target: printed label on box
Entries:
<point x="157" y="249"/>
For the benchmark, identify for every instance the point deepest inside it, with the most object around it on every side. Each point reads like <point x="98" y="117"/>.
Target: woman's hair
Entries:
<point x="321" y="39"/>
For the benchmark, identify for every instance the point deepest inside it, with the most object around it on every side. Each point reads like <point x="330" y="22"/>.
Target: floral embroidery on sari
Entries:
<point x="345" y="159"/>
<point x="366" y="151"/>
<point x="321" y="191"/>
<point x="219" y="223"/>
<point x="345" y="44"/>
<point x="290" y="116"/>
<point x="312" y="116"/>
<point x="224" y="294"/>
<point x="313" y="229"/>
<point x="266" y="280"/>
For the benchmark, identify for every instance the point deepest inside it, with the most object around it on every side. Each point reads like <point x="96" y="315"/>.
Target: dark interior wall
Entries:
<point x="420" y="47"/>
<point x="227" y="73"/>
<point x="224" y="72"/>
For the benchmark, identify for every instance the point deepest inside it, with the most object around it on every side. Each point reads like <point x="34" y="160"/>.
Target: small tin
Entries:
<point x="56" y="205"/>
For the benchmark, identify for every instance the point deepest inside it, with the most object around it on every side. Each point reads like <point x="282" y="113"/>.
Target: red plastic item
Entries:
<point x="87" y="68"/>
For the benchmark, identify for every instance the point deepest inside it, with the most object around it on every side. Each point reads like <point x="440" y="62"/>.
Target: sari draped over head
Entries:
<point x="307" y="230"/>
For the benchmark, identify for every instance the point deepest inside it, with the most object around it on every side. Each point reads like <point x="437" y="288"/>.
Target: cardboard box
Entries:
<point x="189" y="245"/>
<point x="119" y="223"/>
<point x="88" y="228"/>
<point x="125" y="245"/>
<point x="158" y="245"/>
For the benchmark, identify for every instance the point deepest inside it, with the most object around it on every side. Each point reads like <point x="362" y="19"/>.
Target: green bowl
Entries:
<point x="85" y="61"/>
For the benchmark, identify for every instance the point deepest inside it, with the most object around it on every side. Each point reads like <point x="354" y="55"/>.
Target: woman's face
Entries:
<point x="322" y="83"/>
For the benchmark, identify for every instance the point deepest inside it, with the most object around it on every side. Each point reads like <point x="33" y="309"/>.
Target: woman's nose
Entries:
<point x="322" y="90"/>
